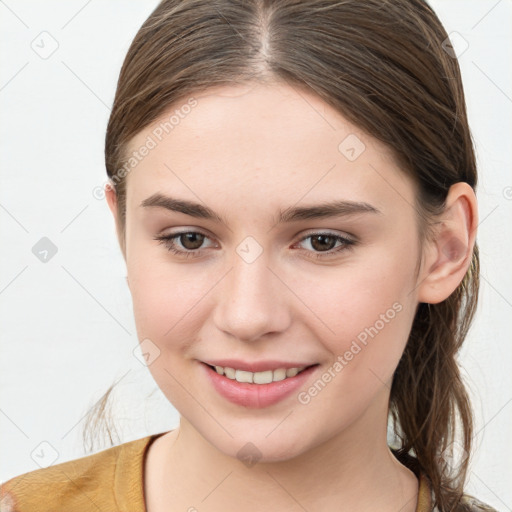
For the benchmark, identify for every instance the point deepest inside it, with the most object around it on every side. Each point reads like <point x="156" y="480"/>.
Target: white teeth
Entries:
<point x="242" y="376"/>
<point x="265" y="377"/>
<point x="279" y="374"/>
<point x="291" y="372"/>
<point x="230" y="373"/>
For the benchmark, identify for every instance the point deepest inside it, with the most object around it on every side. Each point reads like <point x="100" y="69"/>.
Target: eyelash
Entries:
<point x="168" y="241"/>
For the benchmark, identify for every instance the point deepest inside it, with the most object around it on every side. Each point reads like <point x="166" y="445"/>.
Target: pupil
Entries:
<point x="189" y="237"/>
<point x="323" y="242"/>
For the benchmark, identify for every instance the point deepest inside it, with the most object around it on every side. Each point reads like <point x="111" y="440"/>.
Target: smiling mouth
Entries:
<point x="263" y="377"/>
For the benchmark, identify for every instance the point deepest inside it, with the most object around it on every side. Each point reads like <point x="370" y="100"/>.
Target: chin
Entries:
<point x="251" y="446"/>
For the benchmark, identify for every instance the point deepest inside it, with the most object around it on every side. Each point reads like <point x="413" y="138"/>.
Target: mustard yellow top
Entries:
<point x="110" y="480"/>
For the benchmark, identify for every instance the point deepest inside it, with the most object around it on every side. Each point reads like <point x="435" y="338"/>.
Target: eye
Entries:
<point x="325" y="243"/>
<point x="191" y="242"/>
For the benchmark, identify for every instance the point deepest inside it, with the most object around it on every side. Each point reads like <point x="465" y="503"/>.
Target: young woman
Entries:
<point x="293" y="186"/>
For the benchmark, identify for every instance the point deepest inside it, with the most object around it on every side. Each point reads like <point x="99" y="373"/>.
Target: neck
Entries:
<point x="354" y="468"/>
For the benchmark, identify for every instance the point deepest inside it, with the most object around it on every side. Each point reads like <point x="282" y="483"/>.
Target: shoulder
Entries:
<point x="468" y="503"/>
<point x="85" y="483"/>
<point x="426" y="495"/>
<point x="471" y="504"/>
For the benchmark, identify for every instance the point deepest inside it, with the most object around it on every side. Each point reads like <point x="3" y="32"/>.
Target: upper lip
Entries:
<point x="255" y="366"/>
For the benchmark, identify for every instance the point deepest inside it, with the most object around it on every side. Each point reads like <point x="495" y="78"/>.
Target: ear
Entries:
<point x="111" y="197"/>
<point x="447" y="257"/>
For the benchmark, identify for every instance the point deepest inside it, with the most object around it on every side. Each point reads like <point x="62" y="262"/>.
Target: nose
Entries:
<point x="252" y="301"/>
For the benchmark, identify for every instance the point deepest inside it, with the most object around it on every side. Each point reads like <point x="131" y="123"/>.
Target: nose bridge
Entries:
<point x="252" y="301"/>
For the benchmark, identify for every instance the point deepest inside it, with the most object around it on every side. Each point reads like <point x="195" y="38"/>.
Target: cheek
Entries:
<point x="350" y="298"/>
<point x="359" y="316"/>
<point x="166" y="302"/>
<point x="369" y="317"/>
<point x="363" y="314"/>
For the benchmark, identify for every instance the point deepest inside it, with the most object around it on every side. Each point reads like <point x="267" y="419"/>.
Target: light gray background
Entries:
<point x="67" y="324"/>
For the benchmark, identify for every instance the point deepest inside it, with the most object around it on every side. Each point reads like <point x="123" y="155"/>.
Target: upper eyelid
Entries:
<point x="307" y="234"/>
<point x="342" y="234"/>
<point x="176" y="234"/>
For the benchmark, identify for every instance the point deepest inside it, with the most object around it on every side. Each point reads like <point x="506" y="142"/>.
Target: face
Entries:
<point x="264" y="274"/>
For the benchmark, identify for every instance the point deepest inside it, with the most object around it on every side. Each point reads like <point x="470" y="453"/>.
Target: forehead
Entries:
<point x="259" y="140"/>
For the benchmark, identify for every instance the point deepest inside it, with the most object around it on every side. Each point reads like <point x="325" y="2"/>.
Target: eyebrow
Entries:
<point x="319" y="211"/>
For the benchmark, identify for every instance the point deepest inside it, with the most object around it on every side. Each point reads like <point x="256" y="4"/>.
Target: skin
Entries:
<point x="246" y="152"/>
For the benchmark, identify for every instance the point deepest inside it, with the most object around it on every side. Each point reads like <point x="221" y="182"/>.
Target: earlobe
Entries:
<point x="449" y="254"/>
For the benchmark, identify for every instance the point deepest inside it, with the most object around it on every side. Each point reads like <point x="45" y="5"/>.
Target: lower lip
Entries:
<point x="256" y="396"/>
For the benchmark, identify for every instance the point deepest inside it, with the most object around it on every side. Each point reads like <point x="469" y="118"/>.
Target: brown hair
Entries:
<point x="382" y="64"/>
